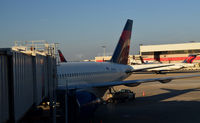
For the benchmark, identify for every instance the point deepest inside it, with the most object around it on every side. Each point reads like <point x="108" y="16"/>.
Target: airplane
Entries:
<point x="174" y="66"/>
<point x="63" y="60"/>
<point x="61" y="56"/>
<point x="87" y="82"/>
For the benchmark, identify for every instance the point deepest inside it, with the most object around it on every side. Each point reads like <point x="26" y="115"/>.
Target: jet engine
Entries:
<point x="165" y="81"/>
<point x="87" y="102"/>
<point x="81" y="104"/>
<point x="132" y="85"/>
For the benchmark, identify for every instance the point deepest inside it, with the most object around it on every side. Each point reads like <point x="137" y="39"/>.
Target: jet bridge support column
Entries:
<point x="62" y="110"/>
<point x="53" y="110"/>
<point x="68" y="109"/>
<point x="66" y="106"/>
<point x="71" y="106"/>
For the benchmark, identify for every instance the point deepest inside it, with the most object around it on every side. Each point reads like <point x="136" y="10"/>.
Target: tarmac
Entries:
<point x="175" y="102"/>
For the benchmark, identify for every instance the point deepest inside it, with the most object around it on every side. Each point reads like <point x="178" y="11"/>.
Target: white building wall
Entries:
<point x="169" y="47"/>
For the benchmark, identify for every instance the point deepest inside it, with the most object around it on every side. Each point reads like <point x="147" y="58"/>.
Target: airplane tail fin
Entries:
<point x="190" y="59"/>
<point x="121" y="52"/>
<point x="142" y="60"/>
<point x="62" y="58"/>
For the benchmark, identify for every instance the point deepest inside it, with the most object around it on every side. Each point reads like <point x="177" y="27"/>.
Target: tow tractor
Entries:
<point x="123" y="95"/>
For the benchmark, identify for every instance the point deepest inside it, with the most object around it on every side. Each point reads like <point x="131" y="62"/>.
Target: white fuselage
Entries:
<point x="90" y="72"/>
<point x="175" y="66"/>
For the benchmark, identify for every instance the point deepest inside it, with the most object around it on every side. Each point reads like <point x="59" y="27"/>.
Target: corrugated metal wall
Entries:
<point x="23" y="83"/>
<point x="4" y="104"/>
<point x="31" y="82"/>
<point x="52" y="85"/>
<point x="43" y="73"/>
<point x="41" y="79"/>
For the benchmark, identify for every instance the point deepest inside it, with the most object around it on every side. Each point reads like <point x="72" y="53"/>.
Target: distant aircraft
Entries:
<point x="88" y="81"/>
<point x="62" y="58"/>
<point x="172" y="66"/>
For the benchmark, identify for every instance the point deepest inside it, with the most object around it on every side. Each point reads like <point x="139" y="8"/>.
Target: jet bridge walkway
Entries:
<point x="27" y="78"/>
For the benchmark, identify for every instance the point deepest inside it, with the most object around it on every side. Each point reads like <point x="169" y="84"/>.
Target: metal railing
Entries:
<point x="36" y="46"/>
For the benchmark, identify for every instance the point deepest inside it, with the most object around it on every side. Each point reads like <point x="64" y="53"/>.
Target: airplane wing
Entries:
<point x="127" y="82"/>
<point x="146" y="68"/>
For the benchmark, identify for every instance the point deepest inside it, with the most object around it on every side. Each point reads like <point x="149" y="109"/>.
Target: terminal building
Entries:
<point x="102" y="58"/>
<point x="169" y="53"/>
<point x="165" y="53"/>
<point x="131" y="58"/>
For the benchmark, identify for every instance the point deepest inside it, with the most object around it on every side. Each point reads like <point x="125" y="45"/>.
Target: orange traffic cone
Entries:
<point x="143" y="94"/>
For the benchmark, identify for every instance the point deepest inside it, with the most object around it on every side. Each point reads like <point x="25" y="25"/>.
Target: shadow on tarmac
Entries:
<point x="170" y="94"/>
<point x="169" y="72"/>
<point x="151" y="109"/>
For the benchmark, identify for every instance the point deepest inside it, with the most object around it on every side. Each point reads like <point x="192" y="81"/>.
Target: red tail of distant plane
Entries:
<point x="62" y="58"/>
<point x="142" y="60"/>
<point x="190" y="59"/>
<point x="121" y="53"/>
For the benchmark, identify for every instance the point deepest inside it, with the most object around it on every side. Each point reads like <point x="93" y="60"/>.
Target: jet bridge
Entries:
<point x="27" y="78"/>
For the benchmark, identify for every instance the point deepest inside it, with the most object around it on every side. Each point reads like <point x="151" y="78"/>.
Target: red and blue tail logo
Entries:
<point x="190" y="59"/>
<point x="121" y="52"/>
<point x="62" y="58"/>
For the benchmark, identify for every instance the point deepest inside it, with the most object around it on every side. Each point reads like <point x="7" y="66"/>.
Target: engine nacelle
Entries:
<point x="133" y="85"/>
<point x="87" y="102"/>
<point x="165" y="81"/>
<point x="79" y="104"/>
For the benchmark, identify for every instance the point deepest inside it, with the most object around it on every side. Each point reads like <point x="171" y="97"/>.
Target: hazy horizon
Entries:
<point x="82" y="27"/>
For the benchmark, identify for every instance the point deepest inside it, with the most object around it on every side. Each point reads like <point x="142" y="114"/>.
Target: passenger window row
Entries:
<point x="78" y="74"/>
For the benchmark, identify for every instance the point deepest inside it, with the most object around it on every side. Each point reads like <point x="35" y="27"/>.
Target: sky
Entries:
<point x="82" y="27"/>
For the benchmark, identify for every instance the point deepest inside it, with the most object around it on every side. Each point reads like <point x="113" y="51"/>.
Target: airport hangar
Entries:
<point x="165" y="53"/>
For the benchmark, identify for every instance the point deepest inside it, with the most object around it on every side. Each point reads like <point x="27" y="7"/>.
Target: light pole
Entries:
<point x="104" y="51"/>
